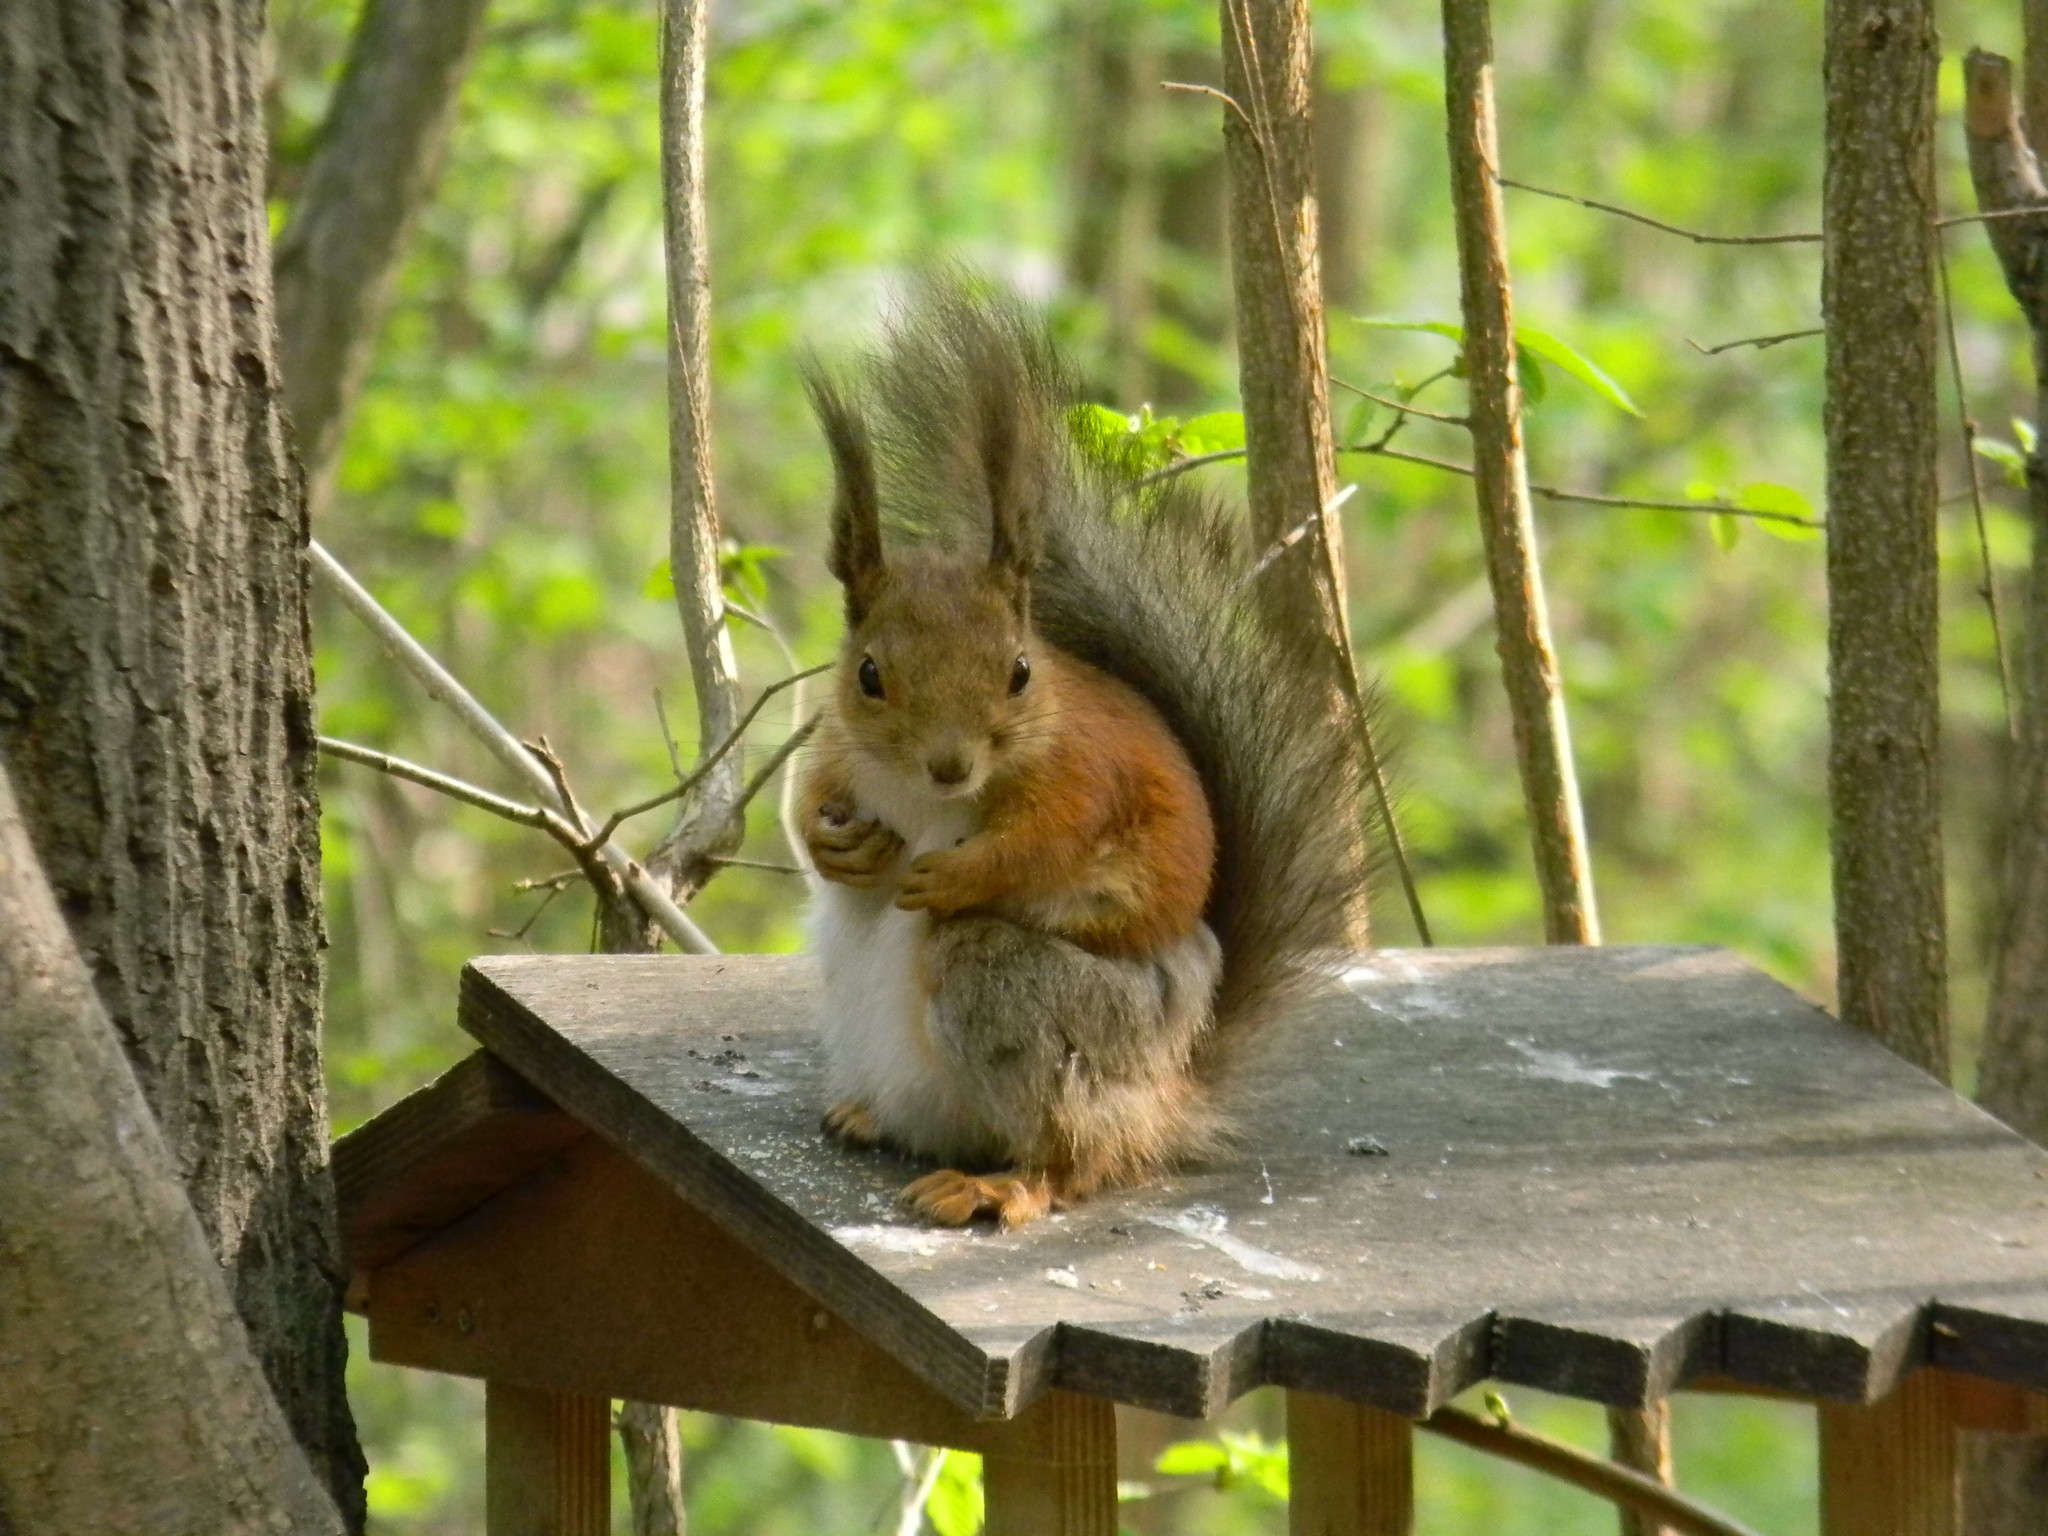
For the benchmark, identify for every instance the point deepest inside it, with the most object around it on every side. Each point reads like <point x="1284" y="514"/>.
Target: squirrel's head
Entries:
<point x="936" y="676"/>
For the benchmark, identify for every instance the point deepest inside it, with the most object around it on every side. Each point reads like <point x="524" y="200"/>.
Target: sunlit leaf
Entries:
<point x="1764" y="497"/>
<point x="955" y="1505"/>
<point x="1217" y="432"/>
<point x="1192" y="1458"/>
<point x="2006" y="457"/>
<point x="1552" y="349"/>
<point x="2024" y="431"/>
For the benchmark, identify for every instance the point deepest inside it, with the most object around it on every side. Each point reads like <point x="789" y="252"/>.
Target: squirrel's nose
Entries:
<point x="948" y="770"/>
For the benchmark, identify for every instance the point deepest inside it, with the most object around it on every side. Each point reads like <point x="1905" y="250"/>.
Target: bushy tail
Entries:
<point x="1152" y="585"/>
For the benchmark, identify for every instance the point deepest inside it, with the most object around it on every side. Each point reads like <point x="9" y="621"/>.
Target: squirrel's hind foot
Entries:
<point x="950" y="1198"/>
<point x="852" y="1124"/>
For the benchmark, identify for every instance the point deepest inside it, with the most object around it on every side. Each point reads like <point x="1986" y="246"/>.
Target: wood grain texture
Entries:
<point x="1060" y="1480"/>
<point x="1889" y="1469"/>
<point x="1352" y="1469"/>
<point x="438" y="1154"/>
<point x="547" y="1463"/>
<point x="1606" y="1172"/>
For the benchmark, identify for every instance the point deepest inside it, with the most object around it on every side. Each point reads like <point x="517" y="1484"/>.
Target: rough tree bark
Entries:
<point x="1543" y="750"/>
<point x="1269" y="146"/>
<point x="134" y="1401"/>
<point x="2005" y="1478"/>
<point x="379" y="151"/>
<point x="155" y="693"/>
<point x="1878" y="299"/>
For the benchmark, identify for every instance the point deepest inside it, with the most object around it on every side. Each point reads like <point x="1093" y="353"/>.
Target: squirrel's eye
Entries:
<point x="870" y="677"/>
<point x="1020" y="674"/>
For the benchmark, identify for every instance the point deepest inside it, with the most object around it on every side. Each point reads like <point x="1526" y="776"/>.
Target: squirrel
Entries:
<point x="1082" y="804"/>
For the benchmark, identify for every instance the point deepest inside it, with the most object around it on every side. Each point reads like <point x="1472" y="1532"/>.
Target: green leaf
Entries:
<point x="1192" y="1458"/>
<point x="1727" y="529"/>
<point x="2024" y="431"/>
<point x="2005" y="456"/>
<point x="1497" y="1406"/>
<point x="1764" y="497"/>
<point x="1574" y="362"/>
<point x="1433" y="327"/>
<point x="1358" y="423"/>
<point x="1534" y="385"/>
<point x="954" y="1505"/>
<point x="660" y="584"/>
<point x="1217" y="432"/>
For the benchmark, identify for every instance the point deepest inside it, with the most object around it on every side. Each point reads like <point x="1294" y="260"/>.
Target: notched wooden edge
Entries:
<point x="1971" y="1338"/>
<point x="1621" y="1363"/>
<point x="885" y="1315"/>
<point x="1189" y="1380"/>
<point x="1408" y="1379"/>
<point x="1815" y="1363"/>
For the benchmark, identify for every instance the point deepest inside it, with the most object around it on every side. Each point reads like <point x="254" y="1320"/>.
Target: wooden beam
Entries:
<point x="547" y="1463"/>
<point x="1054" y="1472"/>
<point x="1889" y="1469"/>
<point x="1352" y="1468"/>
<point x="591" y="1277"/>
<point x="438" y="1154"/>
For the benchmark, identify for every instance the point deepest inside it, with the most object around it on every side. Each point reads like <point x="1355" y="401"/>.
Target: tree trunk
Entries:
<point x="134" y="1402"/>
<point x="2005" y="1477"/>
<point x="1543" y="748"/>
<point x="155" y="693"/>
<point x="1269" y="145"/>
<point x="379" y="151"/>
<point x="1878" y="297"/>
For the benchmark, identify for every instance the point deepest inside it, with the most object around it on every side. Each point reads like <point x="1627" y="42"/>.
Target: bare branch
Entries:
<point x="1401" y="406"/>
<point x="455" y="789"/>
<point x="1616" y="1484"/>
<point x="773" y="869"/>
<point x="1670" y="229"/>
<point x="1759" y="342"/>
<point x="718" y="754"/>
<point x="1228" y="100"/>
<point x="776" y="759"/>
<point x="1548" y="492"/>
<point x="659" y="906"/>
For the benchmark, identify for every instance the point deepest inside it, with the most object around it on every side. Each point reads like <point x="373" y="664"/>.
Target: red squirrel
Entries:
<point x="1081" y="807"/>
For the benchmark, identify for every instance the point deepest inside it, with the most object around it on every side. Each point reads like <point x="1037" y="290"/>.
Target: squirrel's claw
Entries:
<point x="856" y="853"/>
<point x="852" y="1124"/>
<point x="938" y="883"/>
<point x="950" y="1198"/>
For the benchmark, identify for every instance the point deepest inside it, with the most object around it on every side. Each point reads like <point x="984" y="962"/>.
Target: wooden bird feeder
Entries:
<point x="1611" y="1173"/>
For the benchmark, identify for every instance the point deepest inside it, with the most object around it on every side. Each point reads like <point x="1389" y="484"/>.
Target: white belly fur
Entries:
<point x="872" y="1005"/>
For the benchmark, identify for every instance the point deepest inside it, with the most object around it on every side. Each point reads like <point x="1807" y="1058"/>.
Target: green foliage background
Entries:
<point x="504" y="491"/>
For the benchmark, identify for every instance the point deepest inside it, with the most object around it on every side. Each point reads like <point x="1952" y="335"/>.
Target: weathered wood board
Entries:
<point x="1604" y="1172"/>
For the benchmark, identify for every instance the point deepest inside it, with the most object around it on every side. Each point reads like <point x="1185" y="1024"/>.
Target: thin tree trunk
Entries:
<point x="1269" y="145"/>
<point x="1638" y="1438"/>
<point x="2005" y="1477"/>
<point x="1501" y="478"/>
<point x="1878" y="296"/>
<point x="713" y="827"/>
<point x="134" y="1402"/>
<point x="155" y="690"/>
<point x="379" y="151"/>
<point x="1283" y="369"/>
<point x="654" y="1468"/>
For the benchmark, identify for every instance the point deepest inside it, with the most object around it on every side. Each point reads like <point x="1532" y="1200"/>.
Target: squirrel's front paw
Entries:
<point x="855" y="853"/>
<point x="940" y="883"/>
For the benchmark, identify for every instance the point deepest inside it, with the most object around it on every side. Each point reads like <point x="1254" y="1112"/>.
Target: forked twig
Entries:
<point x="1693" y="235"/>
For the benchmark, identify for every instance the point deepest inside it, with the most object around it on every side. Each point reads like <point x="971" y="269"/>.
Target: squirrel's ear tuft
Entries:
<point x="856" y="552"/>
<point x="1011" y="465"/>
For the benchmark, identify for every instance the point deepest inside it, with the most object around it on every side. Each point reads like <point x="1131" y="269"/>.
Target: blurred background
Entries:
<point x="503" y="489"/>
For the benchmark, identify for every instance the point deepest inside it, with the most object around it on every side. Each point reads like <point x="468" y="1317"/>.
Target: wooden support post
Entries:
<point x="547" y="1463"/>
<point x="1056" y="1474"/>
<point x="1352" y="1468"/>
<point x="1889" y="1469"/>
